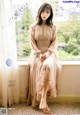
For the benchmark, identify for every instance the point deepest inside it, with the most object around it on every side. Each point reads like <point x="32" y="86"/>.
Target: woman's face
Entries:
<point x="45" y="15"/>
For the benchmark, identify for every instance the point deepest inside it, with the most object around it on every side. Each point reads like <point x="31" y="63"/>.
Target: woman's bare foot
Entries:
<point x="46" y="110"/>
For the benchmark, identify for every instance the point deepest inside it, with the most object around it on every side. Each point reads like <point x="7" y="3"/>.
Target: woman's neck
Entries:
<point x="43" y="22"/>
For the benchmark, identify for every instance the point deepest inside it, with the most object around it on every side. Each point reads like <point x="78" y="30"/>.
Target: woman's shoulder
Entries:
<point x="54" y="27"/>
<point x="33" y="25"/>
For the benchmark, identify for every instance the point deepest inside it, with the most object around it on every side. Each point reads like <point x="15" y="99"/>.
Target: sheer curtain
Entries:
<point x="9" y="78"/>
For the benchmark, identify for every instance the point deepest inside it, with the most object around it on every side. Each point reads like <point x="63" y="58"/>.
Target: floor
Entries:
<point x="56" y="109"/>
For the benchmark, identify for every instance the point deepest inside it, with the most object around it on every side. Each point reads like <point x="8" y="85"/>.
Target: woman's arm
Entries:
<point x="53" y="46"/>
<point x="32" y="40"/>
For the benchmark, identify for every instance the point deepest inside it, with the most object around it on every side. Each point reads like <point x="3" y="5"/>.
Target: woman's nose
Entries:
<point x="45" y="13"/>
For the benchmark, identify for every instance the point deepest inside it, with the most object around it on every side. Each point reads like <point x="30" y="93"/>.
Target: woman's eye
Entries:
<point x="47" y="12"/>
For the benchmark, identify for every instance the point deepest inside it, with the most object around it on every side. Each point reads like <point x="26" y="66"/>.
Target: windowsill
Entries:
<point x="22" y="62"/>
<point x="70" y="62"/>
<point x="62" y="62"/>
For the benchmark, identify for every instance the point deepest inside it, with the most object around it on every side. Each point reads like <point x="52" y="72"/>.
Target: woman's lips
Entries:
<point x="44" y="17"/>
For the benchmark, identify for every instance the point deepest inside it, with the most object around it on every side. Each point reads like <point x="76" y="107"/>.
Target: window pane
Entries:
<point x="68" y="31"/>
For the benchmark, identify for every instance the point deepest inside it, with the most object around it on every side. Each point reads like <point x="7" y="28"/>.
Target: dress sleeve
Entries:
<point x="32" y="39"/>
<point x="53" y="46"/>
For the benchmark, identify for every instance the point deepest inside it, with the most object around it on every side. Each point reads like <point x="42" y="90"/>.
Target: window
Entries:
<point x="23" y="20"/>
<point x="68" y="29"/>
<point x="68" y="32"/>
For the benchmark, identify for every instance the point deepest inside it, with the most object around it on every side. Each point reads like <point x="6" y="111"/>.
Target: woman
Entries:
<point x="44" y="66"/>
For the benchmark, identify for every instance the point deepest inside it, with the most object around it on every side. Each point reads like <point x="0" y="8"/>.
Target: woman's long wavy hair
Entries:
<point x="45" y="7"/>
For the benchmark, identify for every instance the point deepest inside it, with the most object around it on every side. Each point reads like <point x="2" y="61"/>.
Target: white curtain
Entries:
<point x="9" y="78"/>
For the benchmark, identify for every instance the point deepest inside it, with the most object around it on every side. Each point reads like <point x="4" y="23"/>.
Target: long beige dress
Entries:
<point x="43" y="38"/>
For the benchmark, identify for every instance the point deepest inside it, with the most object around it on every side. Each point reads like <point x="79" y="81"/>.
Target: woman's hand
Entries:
<point x="37" y="53"/>
<point x="44" y="56"/>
